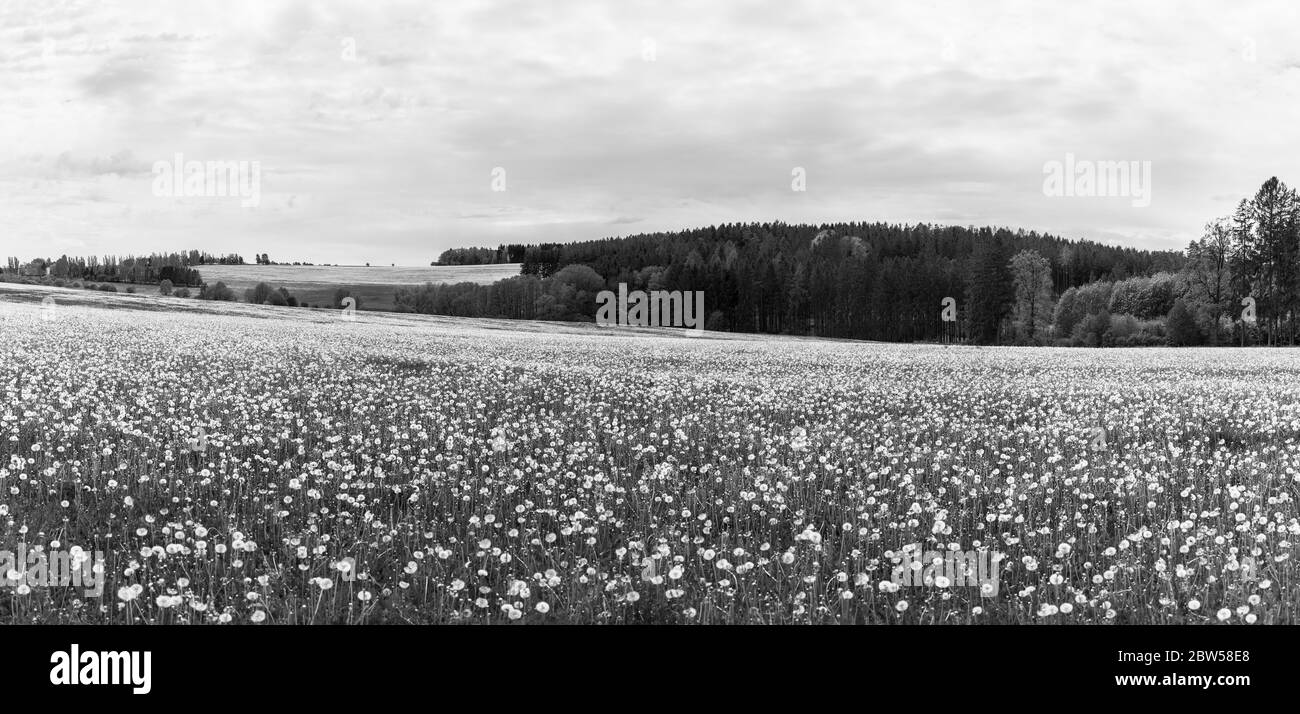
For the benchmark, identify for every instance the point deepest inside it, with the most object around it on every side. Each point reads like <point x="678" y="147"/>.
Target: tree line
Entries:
<point x="513" y="253"/>
<point x="177" y="268"/>
<point x="1239" y="283"/>
<point x="857" y="280"/>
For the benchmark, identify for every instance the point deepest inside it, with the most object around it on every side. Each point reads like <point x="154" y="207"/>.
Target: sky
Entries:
<point x="387" y="132"/>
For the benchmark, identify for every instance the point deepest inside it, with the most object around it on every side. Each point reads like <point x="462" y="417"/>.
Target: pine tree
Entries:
<point x="989" y="290"/>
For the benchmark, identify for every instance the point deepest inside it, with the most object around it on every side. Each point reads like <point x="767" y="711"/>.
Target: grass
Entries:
<point x="413" y="469"/>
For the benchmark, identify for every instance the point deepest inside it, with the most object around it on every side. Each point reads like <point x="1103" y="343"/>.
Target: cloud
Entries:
<point x="379" y="125"/>
<point x="121" y="75"/>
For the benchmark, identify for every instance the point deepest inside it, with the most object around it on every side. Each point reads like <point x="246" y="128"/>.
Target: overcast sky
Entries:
<point x="378" y="125"/>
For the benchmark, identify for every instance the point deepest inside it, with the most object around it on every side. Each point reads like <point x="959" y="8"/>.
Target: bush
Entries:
<point x="342" y="293"/>
<point x="106" y="288"/>
<point x="182" y="292"/>
<point x="1182" y="326"/>
<point x="1214" y="327"/>
<point x="220" y="292"/>
<point x="165" y="287"/>
<point x="130" y="290"/>
<point x="1092" y="329"/>
<point x="1122" y="327"/>
<point x="258" y="294"/>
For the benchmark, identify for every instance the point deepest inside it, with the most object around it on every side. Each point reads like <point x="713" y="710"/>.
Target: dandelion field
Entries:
<point x="293" y="467"/>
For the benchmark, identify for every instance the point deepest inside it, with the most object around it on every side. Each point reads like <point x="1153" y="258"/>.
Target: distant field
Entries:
<point x="315" y="284"/>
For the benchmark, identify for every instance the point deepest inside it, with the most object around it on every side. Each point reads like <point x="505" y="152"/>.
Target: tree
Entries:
<point x="220" y="292"/>
<point x="165" y="287"/>
<point x="1266" y="233"/>
<point x="1209" y="270"/>
<point x="1032" y="311"/>
<point x="258" y="294"/>
<point x="574" y="288"/>
<point x="988" y="291"/>
<point x="1181" y="326"/>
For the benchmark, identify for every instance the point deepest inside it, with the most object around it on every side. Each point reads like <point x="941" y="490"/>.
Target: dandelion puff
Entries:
<point x="1223" y="614"/>
<point x="542" y="607"/>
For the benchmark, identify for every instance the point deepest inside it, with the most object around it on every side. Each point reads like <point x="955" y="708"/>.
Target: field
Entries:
<point x="373" y="286"/>
<point x="248" y="464"/>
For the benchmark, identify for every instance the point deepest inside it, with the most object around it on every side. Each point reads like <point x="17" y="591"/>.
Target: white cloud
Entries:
<point x="378" y="125"/>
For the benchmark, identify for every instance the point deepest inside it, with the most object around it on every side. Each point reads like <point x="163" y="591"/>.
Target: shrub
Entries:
<point x="342" y="293"/>
<point x="220" y="292"/>
<point x="1182" y="326"/>
<point x="1091" y="330"/>
<point x="258" y="294"/>
<point x="165" y="287"/>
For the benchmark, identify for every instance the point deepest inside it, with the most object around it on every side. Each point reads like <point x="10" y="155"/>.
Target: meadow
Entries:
<point x="372" y="285"/>
<point x="250" y="464"/>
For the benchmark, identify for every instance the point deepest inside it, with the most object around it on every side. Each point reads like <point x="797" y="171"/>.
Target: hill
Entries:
<point x="374" y="286"/>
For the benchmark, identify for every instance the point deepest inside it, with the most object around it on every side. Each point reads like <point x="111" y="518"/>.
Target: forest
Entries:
<point x="1235" y="284"/>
